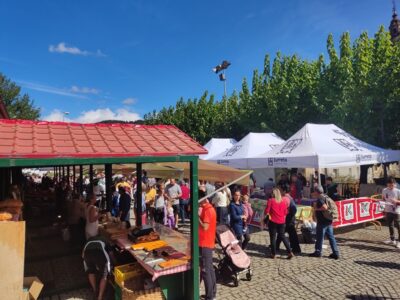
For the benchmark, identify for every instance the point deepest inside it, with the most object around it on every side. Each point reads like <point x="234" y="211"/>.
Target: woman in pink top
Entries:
<point x="277" y="209"/>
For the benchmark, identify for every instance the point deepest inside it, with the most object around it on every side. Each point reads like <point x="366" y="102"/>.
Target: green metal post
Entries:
<point x="109" y="191"/>
<point x="73" y="178"/>
<point x="138" y="199"/>
<point x="194" y="230"/>
<point x="80" y="179"/>
<point x="68" y="175"/>
<point x="91" y="175"/>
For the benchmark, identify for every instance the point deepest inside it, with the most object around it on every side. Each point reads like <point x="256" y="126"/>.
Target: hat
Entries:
<point x="319" y="189"/>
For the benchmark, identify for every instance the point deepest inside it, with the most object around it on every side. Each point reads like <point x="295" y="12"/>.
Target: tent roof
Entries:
<point x="40" y="139"/>
<point x="249" y="147"/>
<point x="323" y="146"/>
<point x="216" y="146"/>
<point x="206" y="171"/>
<point x="211" y="171"/>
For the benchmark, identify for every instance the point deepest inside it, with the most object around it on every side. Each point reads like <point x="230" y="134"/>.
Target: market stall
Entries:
<point x="242" y="153"/>
<point x="216" y="146"/>
<point x="46" y="144"/>
<point x="328" y="146"/>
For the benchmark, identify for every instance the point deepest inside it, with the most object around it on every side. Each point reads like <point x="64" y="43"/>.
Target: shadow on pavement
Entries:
<point x="372" y="248"/>
<point x="379" y="264"/>
<point x="362" y="297"/>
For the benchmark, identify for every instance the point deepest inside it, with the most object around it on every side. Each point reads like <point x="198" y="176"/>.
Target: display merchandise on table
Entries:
<point x="169" y="254"/>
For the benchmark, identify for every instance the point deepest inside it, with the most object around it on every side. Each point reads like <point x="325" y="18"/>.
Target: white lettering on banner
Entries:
<point x="364" y="209"/>
<point x="348" y="211"/>
<point x="277" y="161"/>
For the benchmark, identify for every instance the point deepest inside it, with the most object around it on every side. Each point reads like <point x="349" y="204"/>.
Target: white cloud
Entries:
<point x="129" y="101"/>
<point x="74" y="91"/>
<point x="84" y="90"/>
<point x="49" y="89"/>
<point x="94" y="116"/>
<point x="64" y="48"/>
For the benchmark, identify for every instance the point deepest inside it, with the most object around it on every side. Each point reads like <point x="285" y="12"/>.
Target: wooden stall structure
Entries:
<point x="27" y="144"/>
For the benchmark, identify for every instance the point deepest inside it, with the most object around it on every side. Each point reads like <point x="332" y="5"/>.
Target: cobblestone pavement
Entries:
<point x="368" y="269"/>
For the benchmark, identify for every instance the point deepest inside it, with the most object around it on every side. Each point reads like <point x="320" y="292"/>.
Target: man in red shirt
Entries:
<point x="207" y="231"/>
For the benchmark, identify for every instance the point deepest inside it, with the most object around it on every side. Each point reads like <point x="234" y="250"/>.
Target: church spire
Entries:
<point x="394" y="27"/>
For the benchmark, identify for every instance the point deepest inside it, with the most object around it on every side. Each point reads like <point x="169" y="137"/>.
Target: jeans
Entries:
<point x="393" y="221"/>
<point x="274" y="231"/>
<point x="222" y="215"/>
<point x="327" y="229"/>
<point x="183" y="206"/>
<point x="207" y="272"/>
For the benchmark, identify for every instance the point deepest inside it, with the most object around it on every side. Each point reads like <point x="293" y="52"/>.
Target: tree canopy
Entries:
<point x="357" y="88"/>
<point x="18" y="106"/>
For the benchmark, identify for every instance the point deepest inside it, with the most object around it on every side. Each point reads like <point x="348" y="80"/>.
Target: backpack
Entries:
<point x="332" y="212"/>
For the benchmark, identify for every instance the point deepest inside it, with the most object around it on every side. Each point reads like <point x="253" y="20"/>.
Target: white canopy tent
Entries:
<point x="240" y="155"/>
<point x="252" y="145"/>
<point x="323" y="146"/>
<point x="217" y="146"/>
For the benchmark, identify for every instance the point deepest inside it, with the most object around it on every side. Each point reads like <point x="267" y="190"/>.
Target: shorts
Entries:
<point x="175" y="207"/>
<point x="96" y="262"/>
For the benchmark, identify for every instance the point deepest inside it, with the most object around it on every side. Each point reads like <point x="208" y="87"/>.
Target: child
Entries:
<point x="169" y="216"/>
<point x="248" y="212"/>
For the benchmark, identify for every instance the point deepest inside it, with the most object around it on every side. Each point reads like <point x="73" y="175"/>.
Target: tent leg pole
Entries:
<point x="139" y="199"/>
<point x="194" y="230"/>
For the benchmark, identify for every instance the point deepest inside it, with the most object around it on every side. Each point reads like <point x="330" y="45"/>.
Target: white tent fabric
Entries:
<point x="252" y="145"/>
<point x="217" y="146"/>
<point x="323" y="146"/>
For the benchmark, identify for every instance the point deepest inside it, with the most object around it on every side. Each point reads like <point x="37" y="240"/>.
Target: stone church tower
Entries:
<point x="394" y="27"/>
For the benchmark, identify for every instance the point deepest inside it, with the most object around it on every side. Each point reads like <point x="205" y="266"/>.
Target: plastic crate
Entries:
<point x="124" y="272"/>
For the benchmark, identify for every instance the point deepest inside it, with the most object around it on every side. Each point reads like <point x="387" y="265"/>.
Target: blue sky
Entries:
<point x="120" y="59"/>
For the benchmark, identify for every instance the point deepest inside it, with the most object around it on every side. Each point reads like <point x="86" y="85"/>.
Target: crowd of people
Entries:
<point x="168" y="202"/>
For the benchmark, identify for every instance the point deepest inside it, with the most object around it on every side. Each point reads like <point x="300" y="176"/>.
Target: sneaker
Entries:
<point x="290" y="255"/>
<point x="315" y="254"/>
<point x="390" y="242"/>
<point x="333" y="256"/>
<point x="398" y="244"/>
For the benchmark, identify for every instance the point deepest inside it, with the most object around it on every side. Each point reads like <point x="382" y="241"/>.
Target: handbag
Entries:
<point x="266" y="219"/>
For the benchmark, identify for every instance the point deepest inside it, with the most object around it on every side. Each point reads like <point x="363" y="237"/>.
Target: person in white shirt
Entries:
<point x="98" y="190"/>
<point x="391" y="197"/>
<point x="173" y="193"/>
<point x="221" y="202"/>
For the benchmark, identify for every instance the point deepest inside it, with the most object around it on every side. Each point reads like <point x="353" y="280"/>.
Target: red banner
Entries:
<point x="358" y="210"/>
<point x="351" y="211"/>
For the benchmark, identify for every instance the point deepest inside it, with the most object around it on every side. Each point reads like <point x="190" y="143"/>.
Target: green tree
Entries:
<point x="357" y="88"/>
<point x="18" y="106"/>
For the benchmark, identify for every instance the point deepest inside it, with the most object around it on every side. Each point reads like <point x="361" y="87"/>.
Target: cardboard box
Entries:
<point x="34" y="287"/>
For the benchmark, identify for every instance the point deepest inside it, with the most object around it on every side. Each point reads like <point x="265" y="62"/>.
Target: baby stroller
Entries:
<point x="234" y="261"/>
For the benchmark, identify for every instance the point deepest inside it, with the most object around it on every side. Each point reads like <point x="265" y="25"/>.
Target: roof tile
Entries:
<point x="23" y="138"/>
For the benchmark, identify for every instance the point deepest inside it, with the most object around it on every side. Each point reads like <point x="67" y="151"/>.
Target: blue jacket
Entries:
<point x="236" y="213"/>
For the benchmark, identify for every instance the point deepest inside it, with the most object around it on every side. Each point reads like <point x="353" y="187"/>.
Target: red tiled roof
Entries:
<point x="41" y="139"/>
